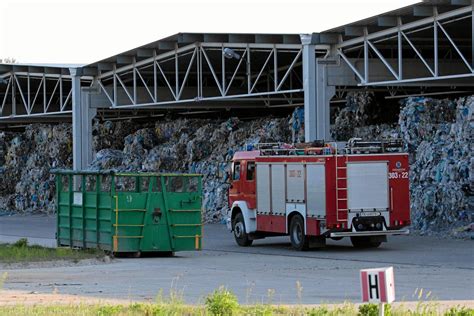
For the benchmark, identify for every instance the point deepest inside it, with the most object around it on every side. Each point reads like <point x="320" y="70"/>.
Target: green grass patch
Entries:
<point x="21" y="252"/>
<point x="222" y="302"/>
<point x="210" y="310"/>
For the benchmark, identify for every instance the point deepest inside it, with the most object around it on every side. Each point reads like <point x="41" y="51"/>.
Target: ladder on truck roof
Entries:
<point x="283" y="149"/>
<point x="358" y="146"/>
<point x="341" y="190"/>
<point x="353" y="146"/>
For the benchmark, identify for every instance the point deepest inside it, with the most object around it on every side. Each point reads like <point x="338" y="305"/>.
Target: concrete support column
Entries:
<point x="76" y="119"/>
<point x="82" y="115"/>
<point x="324" y="94"/>
<point x="309" y="87"/>
<point x="317" y="94"/>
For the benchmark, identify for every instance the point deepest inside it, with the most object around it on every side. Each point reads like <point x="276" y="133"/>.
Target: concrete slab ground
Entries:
<point x="39" y="230"/>
<point x="443" y="268"/>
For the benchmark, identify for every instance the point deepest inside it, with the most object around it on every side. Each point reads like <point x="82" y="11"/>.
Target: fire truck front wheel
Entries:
<point x="298" y="239"/>
<point x="240" y="233"/>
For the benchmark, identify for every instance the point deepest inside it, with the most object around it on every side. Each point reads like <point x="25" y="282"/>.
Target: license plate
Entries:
<point x="369" y="214"/>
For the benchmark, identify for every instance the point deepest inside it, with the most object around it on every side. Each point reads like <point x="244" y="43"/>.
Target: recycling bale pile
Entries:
<point x="26" y="184"/>
<point x="438" y="135"/>
<point x="110" y="134"/>
<point x="361" y="110"/>
<point x="196" y="146"/>
<point x="5" y="139"/>
<point x="171" y="145"/>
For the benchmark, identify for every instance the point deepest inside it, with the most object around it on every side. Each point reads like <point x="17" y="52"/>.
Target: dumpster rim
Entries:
<point x="121" y="173"/>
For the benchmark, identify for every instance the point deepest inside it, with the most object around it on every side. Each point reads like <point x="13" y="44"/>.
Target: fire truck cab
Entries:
<point x="316" y="191"/>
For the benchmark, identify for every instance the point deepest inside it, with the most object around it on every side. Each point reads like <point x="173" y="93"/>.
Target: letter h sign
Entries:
<point x="377" y="285"/>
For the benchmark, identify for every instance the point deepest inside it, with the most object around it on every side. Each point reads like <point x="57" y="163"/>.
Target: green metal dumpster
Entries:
<point x="129" y="212"/>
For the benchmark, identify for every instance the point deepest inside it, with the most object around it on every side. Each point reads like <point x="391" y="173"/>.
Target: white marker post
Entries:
<point x="377" y="286"/>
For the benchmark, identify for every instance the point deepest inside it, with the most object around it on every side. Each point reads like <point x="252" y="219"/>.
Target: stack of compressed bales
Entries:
<point x="438" y="135"/>
<point x="361" y="110"/>
<point x="111" y="134"/>
<point x="4" y="141"/>
<point x="195" y="146"/>
<point x="26" y="184"/>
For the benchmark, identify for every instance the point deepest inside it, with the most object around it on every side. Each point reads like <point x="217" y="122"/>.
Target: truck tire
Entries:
<point x="364" y="242"/>
<point x="299" y="240"/>
<point x="240" y="233"/>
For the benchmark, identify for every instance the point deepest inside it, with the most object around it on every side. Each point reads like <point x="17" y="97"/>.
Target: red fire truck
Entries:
<point x="319" y="191"/>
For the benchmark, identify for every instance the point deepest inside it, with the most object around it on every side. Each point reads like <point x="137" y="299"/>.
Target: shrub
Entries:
<point x="107" y="310"/>
<point x="21" y="243"/>
<point x="373" y="310"/>
<point x="222" y="302"/>
<point x="459" y="311"/>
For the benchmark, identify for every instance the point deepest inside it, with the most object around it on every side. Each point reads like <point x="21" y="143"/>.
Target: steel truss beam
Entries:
<point x="401" y="32"/>
<point x="201" y="72"/>
<point x="26" y="94"/>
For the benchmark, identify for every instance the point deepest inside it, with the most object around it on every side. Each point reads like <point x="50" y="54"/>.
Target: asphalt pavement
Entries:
<point x="268" y="271"/>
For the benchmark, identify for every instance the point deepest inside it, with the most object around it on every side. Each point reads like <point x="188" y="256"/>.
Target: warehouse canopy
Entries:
<point x="180" y="40"/>
<point x="428" y="42"/>
<point x="172" y="73"/>
<point x="425" y="44"/>
<point x="409" y="14"/>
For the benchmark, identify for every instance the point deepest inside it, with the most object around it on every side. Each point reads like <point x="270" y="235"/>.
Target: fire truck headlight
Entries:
<point x="360" y="227"/>
<point x="378" y="226"/>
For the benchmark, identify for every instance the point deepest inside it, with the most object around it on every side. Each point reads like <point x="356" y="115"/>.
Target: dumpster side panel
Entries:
<point x="97" y="226"/>
<point x="90" y="220"/>
<point x="77" y="225"/>
<point x="128" y="222"/>
<point x="63" y="218"/>
<point x="85" y="225"/>
<point x="156" y="233"/>
<point x="184" y="215"/>
<point x="105" y="224"/>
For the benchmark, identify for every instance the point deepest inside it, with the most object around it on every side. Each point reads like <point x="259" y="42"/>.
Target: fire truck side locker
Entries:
<point x="316" y="190"/>
<point x="284" y="188"/>
<point x="278" y="189"/>
<point x="367" y="188"/>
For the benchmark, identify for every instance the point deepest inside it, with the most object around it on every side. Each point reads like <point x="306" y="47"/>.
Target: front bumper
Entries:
<point x="371" y="233"/>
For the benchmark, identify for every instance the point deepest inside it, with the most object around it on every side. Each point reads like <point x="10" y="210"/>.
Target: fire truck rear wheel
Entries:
<point x="364" y="242"/>
<point x="240" y="233"/>
<point x="298" y="239"/>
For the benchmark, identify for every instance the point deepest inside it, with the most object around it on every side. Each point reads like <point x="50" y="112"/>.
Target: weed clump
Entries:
<point x="373" y="310"/>
<point x="21" y="243"/>
<point x="222" y="302"/>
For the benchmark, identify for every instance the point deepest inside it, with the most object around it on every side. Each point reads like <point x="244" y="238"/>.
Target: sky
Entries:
<point x="35" y="31"/>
